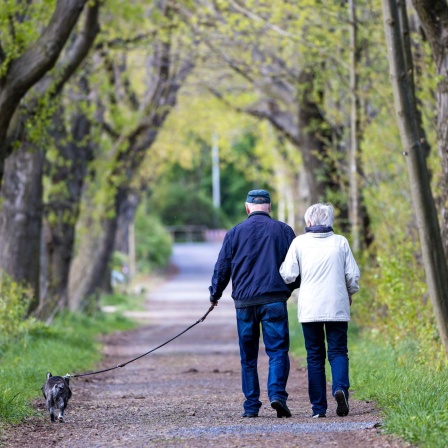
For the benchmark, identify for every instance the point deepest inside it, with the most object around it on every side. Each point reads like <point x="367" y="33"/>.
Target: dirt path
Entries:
<point x="188" y="393"/>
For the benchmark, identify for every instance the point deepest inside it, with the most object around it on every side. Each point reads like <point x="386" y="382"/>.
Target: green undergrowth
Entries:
<point x="120" y="302"/>
<point x="69" y="345"/>
<point x="413" y="397"/>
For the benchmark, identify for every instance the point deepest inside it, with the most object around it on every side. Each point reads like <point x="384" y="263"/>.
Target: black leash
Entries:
<point x="144" y="354"/>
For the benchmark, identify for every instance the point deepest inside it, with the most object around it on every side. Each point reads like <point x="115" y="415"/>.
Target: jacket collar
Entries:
<point x="258" y="212"/>
<point x="318" y="229"/>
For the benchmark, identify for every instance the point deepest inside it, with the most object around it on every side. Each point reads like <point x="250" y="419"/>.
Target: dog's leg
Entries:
<point x="50" y="406"/>
<point x="61" y="406"/>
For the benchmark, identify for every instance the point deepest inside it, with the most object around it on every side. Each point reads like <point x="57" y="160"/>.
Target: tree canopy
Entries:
<point x="108" y="105"/>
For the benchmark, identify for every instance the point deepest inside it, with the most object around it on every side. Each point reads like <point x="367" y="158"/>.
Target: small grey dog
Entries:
<point x="57" y="392"/>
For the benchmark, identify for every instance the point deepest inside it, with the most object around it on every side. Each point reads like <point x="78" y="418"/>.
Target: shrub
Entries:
<point x="153" y="242"/>
<point x="14" y="304"/>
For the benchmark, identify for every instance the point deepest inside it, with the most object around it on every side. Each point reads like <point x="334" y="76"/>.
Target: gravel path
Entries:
<point x="188" y="393"/>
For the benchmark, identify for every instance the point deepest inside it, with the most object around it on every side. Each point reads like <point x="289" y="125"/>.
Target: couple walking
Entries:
<point x="266" y="262"/>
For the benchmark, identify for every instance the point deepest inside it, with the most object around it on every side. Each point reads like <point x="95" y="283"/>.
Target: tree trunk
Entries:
<point x="21" y="218"/>
<point x="436" y="269"/>
<point x="433" y="16"/>
<point x="126" y="216"/>
<point x="89" y="268"/>
<point x="67" y="174"/>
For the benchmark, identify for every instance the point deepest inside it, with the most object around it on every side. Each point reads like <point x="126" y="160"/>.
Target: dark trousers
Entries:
<point x="273" y="318"/>
<point x="336" y="334"/>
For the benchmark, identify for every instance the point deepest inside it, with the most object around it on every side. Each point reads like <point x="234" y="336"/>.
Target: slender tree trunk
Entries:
<point x="126" y="216"/>
<point x="125" y="236"/>
<point x="311" y="142"/>
<point x="21" y="218"/>
<point x="354" y="197"/>
<point x="407" y="117"/>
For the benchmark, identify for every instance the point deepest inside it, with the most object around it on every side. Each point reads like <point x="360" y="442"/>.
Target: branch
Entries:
<point x="255" y="17"/>
<point x="81" y="46"/>
<point x="232" y="64"/>
<point x="109" y="130"/>
<point x="2" y="54"/>
<point x="266" y="110"/>
<point x="120" y="42"/>
<point x="28" y="68"/>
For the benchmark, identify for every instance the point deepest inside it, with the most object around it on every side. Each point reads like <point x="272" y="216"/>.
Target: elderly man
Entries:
<point x="330" y="277"/>
<point x="251" y="255"/>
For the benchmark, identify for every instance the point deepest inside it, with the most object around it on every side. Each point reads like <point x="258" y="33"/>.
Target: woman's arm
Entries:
<point x="290" y="269"/>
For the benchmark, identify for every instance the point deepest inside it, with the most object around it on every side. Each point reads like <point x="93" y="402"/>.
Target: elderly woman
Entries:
<point x="330" y="277"/>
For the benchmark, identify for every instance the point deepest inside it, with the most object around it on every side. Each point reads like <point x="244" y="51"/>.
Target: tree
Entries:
<point x="401" y="67"/>
<point x="22" y="186"/>
<point x="131" y="124"/>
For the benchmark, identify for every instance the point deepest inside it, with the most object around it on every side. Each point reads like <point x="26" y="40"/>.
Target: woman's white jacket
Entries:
<point x="329" y="275"/>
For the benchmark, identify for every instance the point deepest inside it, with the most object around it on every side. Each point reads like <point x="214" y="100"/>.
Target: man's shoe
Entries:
<point x="342" y="402"/>
<point x="281" y="408"/>
<point x="247" y="415"/>
<point x="318" y="416"/>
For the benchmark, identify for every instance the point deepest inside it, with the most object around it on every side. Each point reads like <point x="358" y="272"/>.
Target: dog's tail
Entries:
<point x="56" y="390"/>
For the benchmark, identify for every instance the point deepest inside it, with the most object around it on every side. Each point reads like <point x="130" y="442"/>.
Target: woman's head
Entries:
<point x="319" y="215"/>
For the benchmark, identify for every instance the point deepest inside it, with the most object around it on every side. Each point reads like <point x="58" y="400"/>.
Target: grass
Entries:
<point x="68" y="346"/>
<point x="413" y="398"/>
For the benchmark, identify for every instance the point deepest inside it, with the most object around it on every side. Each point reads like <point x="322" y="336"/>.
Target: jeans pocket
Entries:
<point x="276" y="311"/>
<point x="244" y="314"/>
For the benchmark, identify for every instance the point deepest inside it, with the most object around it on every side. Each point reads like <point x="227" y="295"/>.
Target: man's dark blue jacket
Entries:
<point x="251" y="255"/>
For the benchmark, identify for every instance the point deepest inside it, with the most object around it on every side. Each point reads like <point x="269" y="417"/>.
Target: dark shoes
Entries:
<point x="318" y="416"/>
<point x="342" y="402"/>
<point x="281" y="408"/>
<point x="247" y="415"/>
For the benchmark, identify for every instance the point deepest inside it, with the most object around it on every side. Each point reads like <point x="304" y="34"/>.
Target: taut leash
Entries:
<point x="77" y="375"/>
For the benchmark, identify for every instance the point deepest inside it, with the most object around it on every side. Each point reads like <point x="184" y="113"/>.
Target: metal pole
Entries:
<point x="215" y="173"/>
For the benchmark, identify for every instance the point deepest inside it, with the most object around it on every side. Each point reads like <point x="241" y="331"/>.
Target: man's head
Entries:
<point x="258" y="200"/>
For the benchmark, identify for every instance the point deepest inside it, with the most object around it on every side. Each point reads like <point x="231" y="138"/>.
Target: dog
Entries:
<point x="57" y="392"/>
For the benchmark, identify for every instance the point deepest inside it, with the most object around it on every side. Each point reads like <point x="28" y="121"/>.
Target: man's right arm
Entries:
<point x="222" y="271"/>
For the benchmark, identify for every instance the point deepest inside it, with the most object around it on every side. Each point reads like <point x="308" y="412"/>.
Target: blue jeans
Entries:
<point x="337" y="356"/>
<point x="274" y="324"/>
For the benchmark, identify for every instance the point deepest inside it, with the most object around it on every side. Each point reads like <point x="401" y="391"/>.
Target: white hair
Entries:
<point x="258" y="207"/>
<point x="320" y="215"/>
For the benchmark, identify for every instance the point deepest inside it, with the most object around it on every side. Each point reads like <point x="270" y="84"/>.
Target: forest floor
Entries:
<point x="188" y="393"/>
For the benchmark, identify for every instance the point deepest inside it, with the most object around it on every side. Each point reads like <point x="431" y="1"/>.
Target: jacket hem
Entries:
<point x="261" y="300"/>
<point x="327" y="319"/>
